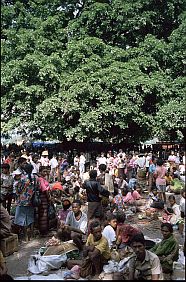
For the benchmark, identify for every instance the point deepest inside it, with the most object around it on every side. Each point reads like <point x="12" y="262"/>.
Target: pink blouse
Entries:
<point x="43" y="184"/>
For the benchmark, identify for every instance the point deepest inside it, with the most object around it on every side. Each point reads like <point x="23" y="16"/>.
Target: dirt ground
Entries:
<point x="17" y="263"/>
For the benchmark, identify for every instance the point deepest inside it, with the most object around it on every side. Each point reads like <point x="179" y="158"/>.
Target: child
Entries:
<point x="109" y="230"/>
<point x="132" y="182"/>
<point x="155" y="201"/>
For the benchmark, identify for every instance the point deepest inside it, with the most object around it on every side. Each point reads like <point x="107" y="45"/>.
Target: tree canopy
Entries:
<point x="83" y="70"/>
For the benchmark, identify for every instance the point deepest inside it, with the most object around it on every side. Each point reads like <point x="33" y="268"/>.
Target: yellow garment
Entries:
<point x="168" y="179"/>
<point x="2" y="259"/>
<point x="102" y="245"/>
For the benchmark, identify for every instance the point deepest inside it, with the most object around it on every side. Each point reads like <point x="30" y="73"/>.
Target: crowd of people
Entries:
<point x="88" y="204"/>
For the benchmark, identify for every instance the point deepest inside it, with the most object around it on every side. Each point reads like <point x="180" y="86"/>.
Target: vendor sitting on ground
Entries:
<point x="172" y="213"/>
<point x="97" y="247"/>
<point x="74" y="226"/>
<point x="124" y="232"/>
<point x="167" y="250"/>
<point x="143" y="265"/>
<point x="155" y="201"/>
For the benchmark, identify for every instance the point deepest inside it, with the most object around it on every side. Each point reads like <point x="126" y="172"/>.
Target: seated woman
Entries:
<point x="124" y="232"/>
<point x="62" y="213"/>
<point x="172" y="213"/>
<point x="97" y="248"/>
<point x="109" y="230"/>
<point x="155" y="201"/>
<point x="167" y="250"/>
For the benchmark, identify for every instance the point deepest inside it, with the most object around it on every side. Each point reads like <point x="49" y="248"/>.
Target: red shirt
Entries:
<point x="126" y="232"/>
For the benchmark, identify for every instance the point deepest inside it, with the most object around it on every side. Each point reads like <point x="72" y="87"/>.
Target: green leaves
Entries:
<point x="112" y="70"/>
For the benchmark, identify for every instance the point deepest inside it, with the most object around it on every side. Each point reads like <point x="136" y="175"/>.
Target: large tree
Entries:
<point x="81" y="70"/>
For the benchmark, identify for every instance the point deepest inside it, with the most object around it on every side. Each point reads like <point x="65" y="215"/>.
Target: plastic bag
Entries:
<point x="112" y="266"/>
<point x="37" y="264"/>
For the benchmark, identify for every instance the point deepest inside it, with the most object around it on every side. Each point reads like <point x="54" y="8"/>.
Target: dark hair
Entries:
<point x="94" y="224"/>
<point x="102" y="167"/>
<point x="172" y="197"/>
<point x="41" y="168"/>
<point x="159" y="162"/>
<point x="77" y="202"/>
<point x="93" y="174"/>
<point x="67" y="205"/>
<point x="21" y="160"/>
<point x="28" y="168"/>
<point x="121" y="217"/>
<point x="168" y="225"/>
<point x="76" y="189"/>
<point x="138" y="238"/>
<point x="35" y="156"/>
<point x="111" y="216"/>
<point x="7" y="166"/>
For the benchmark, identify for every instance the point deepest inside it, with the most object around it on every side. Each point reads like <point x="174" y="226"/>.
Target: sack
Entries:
<point x="36" y="200"/>
<point x="37" y="264"/>
<point x="86" y="268"/>
<point x="51" y="212"/>
<point x="158" y="205"/>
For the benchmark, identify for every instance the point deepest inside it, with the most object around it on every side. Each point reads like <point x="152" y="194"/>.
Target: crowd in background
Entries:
<point x="108" y="185"/>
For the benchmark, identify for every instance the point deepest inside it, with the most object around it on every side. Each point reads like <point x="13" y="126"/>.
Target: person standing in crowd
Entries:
<point x="93" y="191"/>
<point x="6" y="186"/>
<point x="82" y="161"/>
<point x="159" y="174"/>
<point x="121" y="166"/>
<point x="76" y="160"/>
<point x="35" y="163"/>
<point x="152" y="169"/>
<point x="59" y="172"/>
<point x="102" y="160"/>
<point x="44" y="188"/>
<point x="129" y="167"/>
<point x="11" y="161"/>
<point x="24" y="215"/>
<point x="53" y="168"/>
<point x="143" y="265"/>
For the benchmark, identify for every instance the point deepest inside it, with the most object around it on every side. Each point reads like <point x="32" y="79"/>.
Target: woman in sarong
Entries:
<point x="43" y="219"/>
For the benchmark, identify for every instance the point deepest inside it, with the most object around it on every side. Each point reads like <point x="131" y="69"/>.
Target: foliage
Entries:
<point x="81" y="70"/>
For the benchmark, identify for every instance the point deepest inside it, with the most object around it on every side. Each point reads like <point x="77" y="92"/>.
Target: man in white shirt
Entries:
<point x="82" y="161"/>
<point x="140" y="161"/>
<point x="102" y="159"/>
<point x="53" y="168"/>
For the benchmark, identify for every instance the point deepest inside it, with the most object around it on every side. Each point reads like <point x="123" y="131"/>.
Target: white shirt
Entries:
<point x="79" y="224"/>
<point x="82" y="159"/>
<point x="35" y="167"/>
<point x="53" y="162"/>
<point x="141" y="162"/>
<point x="147" y="161"/>
<point x="109" y="234"/>
<point x="182" y="205"/>
<point x="102" y="160"/>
